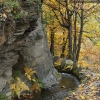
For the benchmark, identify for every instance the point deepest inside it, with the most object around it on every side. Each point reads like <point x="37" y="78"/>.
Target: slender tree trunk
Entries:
<point x="74" y="44"/>
<point x="70" y="37"/>
<point x="69" y="28"/>
<point x="75" y="38"/>
<point x="64" y="45"/>
<point x="52" y="43"/>
<point x="80" y="36"/>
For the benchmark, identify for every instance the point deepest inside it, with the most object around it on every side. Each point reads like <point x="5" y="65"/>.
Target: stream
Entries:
<point x="58" y="92"/>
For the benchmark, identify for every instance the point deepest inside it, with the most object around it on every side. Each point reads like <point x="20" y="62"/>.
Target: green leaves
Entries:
<point x="14" y="7"/>
<point x="3" y="96"/>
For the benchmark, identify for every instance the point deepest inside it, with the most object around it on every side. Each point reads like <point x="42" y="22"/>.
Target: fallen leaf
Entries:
<point x="4" y="15"/>
<point x="82" y="97"/>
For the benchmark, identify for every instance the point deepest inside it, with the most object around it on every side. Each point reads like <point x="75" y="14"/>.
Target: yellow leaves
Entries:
<point x="53" y="0"/>
<point x="13" y="86"/>
<point x="92" y="86"/>
<point x="28" y="73"/>
<point x="88" y="90"/>
<point x="22" y="85"/>
<point x="28" y="76"/>
<point x="90" y="99"/>
<point x="48" y="1"/>
<point x="82" y="97"/>
<point x="88" y="5"/>
<point x="70" y="67"/>
<point x="81" y="87"/>
<point x="58" y="62"/>
<point x="18" y="87"/>
<point x="66" y="98"/>
<point x="83" y="63"/>
<point x="70" y="7"/>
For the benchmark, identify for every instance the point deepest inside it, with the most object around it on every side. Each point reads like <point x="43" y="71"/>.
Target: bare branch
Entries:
<point x="56" y="17"/>
<point x="92" y="7"/>
<point x="60" y="3"/>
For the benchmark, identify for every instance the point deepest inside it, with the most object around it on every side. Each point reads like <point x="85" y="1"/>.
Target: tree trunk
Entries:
<point x="52" y="43"/>
<point x="75" y="39"/>
<point x="80" y="36"/>
<point x="70" y="37"/>
<point x="64" y="45"/>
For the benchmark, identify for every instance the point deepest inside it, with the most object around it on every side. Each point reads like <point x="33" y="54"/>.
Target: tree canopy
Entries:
<point x="68" y="24"/>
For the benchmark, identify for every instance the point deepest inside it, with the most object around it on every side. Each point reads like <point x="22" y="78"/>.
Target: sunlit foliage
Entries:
<point x="18" y="86"/>
<point x="91" y="28"/>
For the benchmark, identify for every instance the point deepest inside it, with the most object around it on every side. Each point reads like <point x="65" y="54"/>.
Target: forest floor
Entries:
<point x="90" y="88"/>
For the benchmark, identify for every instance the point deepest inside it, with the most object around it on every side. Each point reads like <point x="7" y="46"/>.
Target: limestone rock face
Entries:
<point x="23" y="42"/>
<point x="37" y="55"/>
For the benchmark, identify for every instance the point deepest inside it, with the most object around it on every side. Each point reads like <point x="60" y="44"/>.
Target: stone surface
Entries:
<point x="37" y="56"/>
<point x="66" y="62"/>
<point x="23" y="42"/>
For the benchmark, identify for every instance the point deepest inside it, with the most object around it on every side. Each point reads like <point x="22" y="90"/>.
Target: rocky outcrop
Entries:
<point x="23" y="43"/>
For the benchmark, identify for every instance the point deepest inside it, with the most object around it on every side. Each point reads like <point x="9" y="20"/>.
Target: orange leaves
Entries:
<point x="36" y="88"/>
<point x="27" y="96"/>
<point x="4" y="15"/>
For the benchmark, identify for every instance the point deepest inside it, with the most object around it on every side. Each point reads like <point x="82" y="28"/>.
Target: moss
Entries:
<point x="57" y="75"/>
<point x="3" y="96"/>
<point x="16" y="73"/>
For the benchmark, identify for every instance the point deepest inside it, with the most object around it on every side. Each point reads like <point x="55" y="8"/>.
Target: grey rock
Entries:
<point x="63" y="63"/>
<point x="55" y="58"/>
<point x="27" y="36"/>
<point x="66" y="62"/>
<point x="69" y="62"/>
<point x="38" y="57"/>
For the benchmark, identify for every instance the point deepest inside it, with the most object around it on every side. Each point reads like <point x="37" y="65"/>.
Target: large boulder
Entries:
<point x="23" y="42"/>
